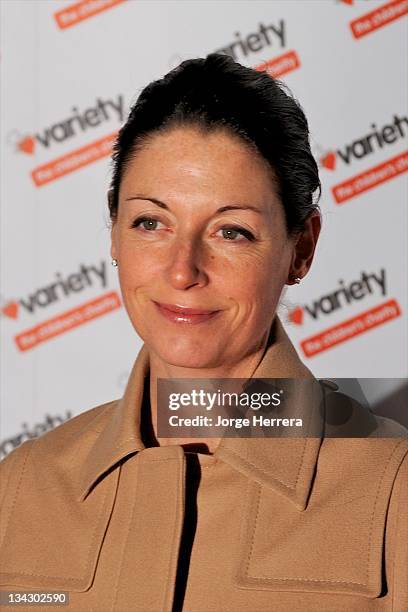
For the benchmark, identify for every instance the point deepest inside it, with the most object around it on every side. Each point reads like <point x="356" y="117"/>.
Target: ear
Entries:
<point x="304" y="247"/>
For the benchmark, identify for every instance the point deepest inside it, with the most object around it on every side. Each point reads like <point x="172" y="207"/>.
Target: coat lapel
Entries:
<point x="285" y="465"/>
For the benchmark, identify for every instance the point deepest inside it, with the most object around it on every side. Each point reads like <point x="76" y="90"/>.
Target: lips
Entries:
<point x="184" y="310"/>
<point x="182" y="314"/>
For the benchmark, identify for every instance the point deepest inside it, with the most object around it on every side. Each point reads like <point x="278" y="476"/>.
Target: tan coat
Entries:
<point x="283" y="525"/>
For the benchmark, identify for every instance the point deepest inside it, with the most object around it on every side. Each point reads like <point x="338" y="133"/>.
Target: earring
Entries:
<point x="295" y="280"/>
<point x="114" y="263"/>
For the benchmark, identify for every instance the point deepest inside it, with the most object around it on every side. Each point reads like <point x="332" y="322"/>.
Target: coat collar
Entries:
<point x="285" y="465"/>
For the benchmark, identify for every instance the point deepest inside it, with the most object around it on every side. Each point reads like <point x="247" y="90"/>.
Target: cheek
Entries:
<point x="253" y="299"/>
<point x="262" y="274"/>
<point x="139" y="264"/>
<point x="259" y="292"/>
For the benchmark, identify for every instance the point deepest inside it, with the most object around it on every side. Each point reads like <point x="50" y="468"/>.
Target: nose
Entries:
<point x="186" y="264"/>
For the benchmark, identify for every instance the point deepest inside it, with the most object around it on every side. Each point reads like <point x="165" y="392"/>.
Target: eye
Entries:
<point x="235" y="234"/>
<point x="147" y="223"/>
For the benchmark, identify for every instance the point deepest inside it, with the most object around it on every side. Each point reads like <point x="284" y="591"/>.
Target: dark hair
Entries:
<point x="217" y="92"/>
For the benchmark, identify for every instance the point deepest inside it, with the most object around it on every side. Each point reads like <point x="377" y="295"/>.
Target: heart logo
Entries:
<point x="26" y="145"/>
<point x="10" y="310"/>
<point x="296" y="315"/>
<point x="329" y="160"/>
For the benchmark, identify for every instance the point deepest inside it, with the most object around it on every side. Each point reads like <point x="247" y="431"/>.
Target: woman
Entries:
<point x="213" y="213"/>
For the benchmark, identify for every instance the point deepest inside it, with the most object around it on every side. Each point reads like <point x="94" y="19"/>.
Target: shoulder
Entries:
<point x="346" y="417"/>
<point x="389" y="428"/>
<point x="58" y="448"/>
<point x="42" y="512"/>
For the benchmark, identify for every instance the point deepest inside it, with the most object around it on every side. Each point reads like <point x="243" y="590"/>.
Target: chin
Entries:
<point x="195" y="362"/>
<point x="186" y="353"/>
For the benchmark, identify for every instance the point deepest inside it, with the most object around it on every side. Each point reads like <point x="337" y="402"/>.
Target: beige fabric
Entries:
<point x="284" y="525"/>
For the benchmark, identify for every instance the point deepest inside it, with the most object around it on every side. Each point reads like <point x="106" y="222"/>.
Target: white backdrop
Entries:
<point x="69" y="72"/>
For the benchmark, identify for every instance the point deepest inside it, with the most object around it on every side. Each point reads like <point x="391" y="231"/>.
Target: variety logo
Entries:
<point x="73" y="14"/>
<point x="60" y="288"/>
<point x="30" y="338"/>
<point x="367" y="144"/>
<point x="75" y="160"/>
<point x="343" y="295"/>
<point x="78" y="121"/>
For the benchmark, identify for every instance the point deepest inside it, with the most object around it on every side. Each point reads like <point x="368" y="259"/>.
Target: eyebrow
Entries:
<point x="219" y="210"/>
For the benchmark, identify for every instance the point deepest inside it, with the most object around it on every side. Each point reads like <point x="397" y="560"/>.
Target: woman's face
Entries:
<point x="200" y="227"/>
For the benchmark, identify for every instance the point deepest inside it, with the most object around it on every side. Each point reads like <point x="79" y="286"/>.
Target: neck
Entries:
<point x="244" y="368"/>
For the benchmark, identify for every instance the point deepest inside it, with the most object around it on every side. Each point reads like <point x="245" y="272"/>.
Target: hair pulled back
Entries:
<point x="215" y="93"/>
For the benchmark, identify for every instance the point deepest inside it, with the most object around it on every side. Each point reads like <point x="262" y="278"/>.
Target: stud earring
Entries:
<point x="114" y="263"/>
<point x="294" y="280"/>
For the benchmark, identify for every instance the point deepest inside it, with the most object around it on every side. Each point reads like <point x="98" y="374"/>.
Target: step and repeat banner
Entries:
<point x="69" y="73"/>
